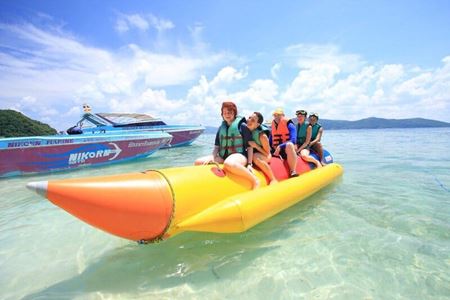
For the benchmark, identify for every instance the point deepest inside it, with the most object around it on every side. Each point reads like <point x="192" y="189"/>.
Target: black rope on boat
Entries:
<point x="160" y="237"/>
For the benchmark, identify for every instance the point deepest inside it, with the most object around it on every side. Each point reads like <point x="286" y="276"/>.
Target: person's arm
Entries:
<point x="249" y="157"/>
<point x="215" y="151"/>
<point x="318" y="137"/>
<point x="264" y="149"/>
<point x="246" y="138"/>
<point x="216" y="144"/>
<point x="265" y="144"/>
<point x="292" y="134"/>
<point x="307" y="139"/>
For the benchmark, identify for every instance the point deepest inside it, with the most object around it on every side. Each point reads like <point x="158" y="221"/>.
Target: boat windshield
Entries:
<point x="91" y="121"/>
<point x="126" y="118"/>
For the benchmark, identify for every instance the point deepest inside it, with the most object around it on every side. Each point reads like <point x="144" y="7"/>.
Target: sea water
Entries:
<point x="382" y="231"/>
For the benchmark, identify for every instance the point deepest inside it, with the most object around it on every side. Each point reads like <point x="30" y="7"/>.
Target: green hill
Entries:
<point x="14" y="124"/>
<point x="370" y="123"/>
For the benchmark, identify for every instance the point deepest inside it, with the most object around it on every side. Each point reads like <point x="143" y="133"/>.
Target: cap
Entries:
<point x="278" y="111"/>
<point x="314" y="115"/>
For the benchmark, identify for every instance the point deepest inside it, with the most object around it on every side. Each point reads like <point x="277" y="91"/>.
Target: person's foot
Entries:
<point x="319" y="165"/>
<point x="293" y="174"/>
<point x="273" y="181"/>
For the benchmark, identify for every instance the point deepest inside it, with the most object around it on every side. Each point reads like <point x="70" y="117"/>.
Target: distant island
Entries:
<point x="378" y="123"/>
<point x="15" y="124"/>
<point x="371" y="123"/>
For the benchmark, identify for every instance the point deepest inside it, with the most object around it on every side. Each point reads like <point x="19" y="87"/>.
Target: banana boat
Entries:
<point x="157" y="204"/>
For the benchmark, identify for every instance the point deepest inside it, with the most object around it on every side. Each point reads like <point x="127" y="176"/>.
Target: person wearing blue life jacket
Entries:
<point x="316" y="135"/>
<point x="260" y="144"/>
<point x="282" y="140"/>
<point x="231" y="145"/>
<point x="304" y="132"/>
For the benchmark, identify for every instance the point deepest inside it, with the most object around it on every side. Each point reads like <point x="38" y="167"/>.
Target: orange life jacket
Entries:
<point x="280" y="132"/>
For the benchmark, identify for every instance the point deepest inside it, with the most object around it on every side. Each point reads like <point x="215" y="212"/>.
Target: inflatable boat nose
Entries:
<point x="137" y="207"/>
<point x="39" y="187"/>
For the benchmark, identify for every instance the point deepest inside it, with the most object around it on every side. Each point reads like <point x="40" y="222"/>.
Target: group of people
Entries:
<point x="241" y="142"/>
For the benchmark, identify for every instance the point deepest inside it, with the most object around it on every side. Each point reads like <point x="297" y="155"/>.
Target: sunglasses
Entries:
<point x="301" y="112"/>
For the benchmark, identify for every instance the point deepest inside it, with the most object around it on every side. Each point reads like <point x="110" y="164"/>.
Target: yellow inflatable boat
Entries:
<point x="157" y="204"/>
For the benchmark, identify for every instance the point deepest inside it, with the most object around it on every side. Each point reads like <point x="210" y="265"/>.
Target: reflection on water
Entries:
<point x="381" y="231"/>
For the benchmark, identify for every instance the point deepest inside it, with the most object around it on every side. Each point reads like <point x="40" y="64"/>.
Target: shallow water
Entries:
<point x="382" y="231"/>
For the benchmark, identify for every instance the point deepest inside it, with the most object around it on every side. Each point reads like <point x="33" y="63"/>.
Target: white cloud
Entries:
<point x="138" y="22"/>
<point x="160" y="24"/>
<point x="60" y="71"/>
<point x="261" y="91"/>
<point x="275" y="70"/>
<point x="122" y="25"/>
<point x="308" y="56"/>
<point x="154" y="102"/>
<point x="142" y="22"/>
<point x="310" y="83"/>
<point x="389" y="91"/>
<point x="206" y="97"/>
<point x="49" y="73"/>
<point x="225" y="77"/>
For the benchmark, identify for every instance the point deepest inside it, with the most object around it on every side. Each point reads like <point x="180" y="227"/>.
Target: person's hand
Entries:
<point x="277" y="151"/>
<point x="252" y="144"/>
<point x="207" y="162"/>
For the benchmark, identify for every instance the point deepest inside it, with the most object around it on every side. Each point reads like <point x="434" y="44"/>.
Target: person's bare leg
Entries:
<point x="262" y="163"/>
<point x="305" y="154"/>
<point x="235" y="163"/>
<point x="319" y="151"/>
<point x="207" y="159"/>
<point x="291" y="157"/>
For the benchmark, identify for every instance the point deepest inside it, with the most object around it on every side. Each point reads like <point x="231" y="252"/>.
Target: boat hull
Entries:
<point x="181" y="135"/>
<point x="36" y="155"/>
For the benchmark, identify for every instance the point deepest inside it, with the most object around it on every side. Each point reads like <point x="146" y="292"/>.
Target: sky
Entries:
<point x="179" y="60"/>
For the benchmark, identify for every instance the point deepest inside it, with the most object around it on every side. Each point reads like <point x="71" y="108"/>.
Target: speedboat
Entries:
<point x="37" y="154"/>
<point x="130" y="122"/>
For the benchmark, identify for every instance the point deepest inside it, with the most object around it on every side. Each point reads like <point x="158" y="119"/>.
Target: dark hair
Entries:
<point x="260" y="117"/>
<point x="229" y="105"/>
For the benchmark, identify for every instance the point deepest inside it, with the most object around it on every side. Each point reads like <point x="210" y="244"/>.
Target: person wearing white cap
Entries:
<point x="283" y="139"/>
<point x="316" y="135"/>
<point x="304" y="133"/>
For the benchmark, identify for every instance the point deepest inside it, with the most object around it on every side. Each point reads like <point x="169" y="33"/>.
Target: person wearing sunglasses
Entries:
<point x="231" y="145"/>
<point x="283" y="139"/>
<point x="260" y="144"/>
<point x="304" y="132"/>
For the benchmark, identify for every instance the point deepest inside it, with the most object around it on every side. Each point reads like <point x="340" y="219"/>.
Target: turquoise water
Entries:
<point x="380" y="232"/>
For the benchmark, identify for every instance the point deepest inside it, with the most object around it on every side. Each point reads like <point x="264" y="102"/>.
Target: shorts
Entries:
<point x="283" y="154"/>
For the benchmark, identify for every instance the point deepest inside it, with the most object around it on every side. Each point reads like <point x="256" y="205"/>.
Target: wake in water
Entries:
<point x="439" y="183"/>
